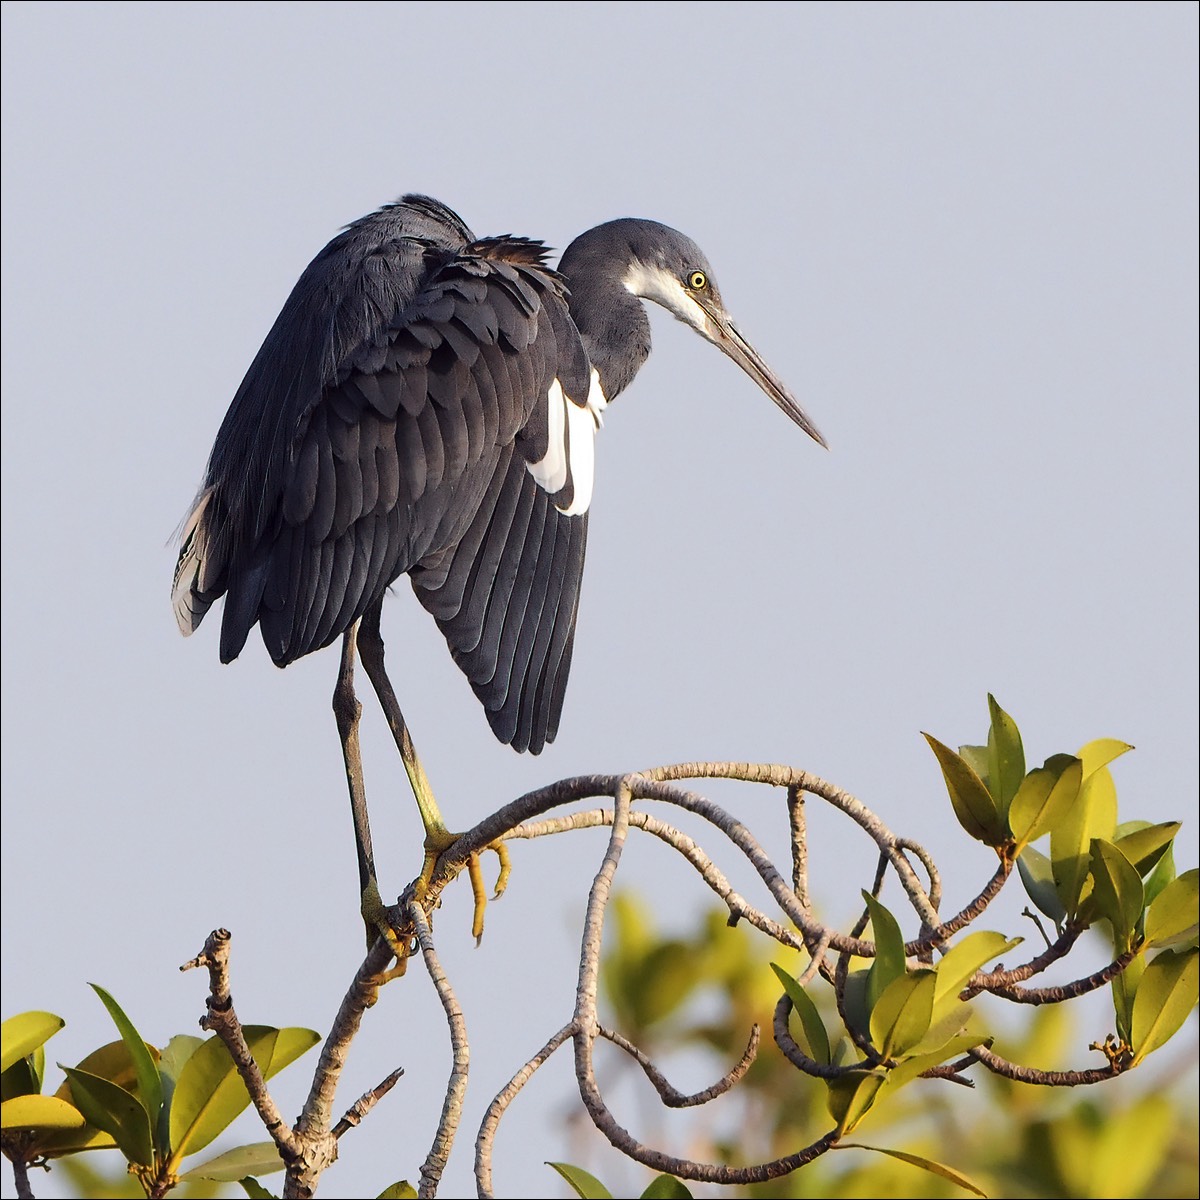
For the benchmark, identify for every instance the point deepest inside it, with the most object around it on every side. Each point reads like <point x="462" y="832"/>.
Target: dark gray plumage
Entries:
<point x="421" y="406"/>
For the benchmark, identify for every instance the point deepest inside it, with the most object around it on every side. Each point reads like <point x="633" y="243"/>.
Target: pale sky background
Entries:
<point x="964" y="234"/>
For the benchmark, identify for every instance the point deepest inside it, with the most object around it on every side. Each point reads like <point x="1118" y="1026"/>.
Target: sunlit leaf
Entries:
<point x="1006" y="756"/>
<point x="973" y="805"/>
<point x="261" y="1158"/>
<point x="1172" y="917"/>
<point x="976" y="757"/>
<point x="149" y="1085"/>
<point x="1093" y="815"/>
<point x="20" y="1080"/>
<point x="39" y="1112"/>
<point x="850" y="1097"/>
<point x="114" y="1110"/>
<point x="1145" y="844"/>
<point x="1118" y="891"/>
<point x="926" y="1164"/>
<point x="209" y="1093"/>
<point x="911" y="1068"/>
<point x="401" y="1190"/>
<point x="23" y="1034"/>
<point x="1163" y="873"/>
<point x="902" y="1015"/>
<point x="1124" y="989"/>
<point x="254" y="1189"/>
<point x="586" y="1186"/>
<point x="1037" y="875"/>
<point x="666" y="1187"/>
<point x="888" y="963"/>
<point x="1165" y="997"/>
<point x="1045" y="798"/>
<point x="814" y="1028"/>
<point x="962" y="960"/>
<point x="1100" y="753"/>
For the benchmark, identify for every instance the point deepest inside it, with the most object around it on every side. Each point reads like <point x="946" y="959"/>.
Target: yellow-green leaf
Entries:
<point x="1094" y="815"/>
<point x="911" y="1068"/>
<point x="1037" y="875"/>
<point x="23" y="1034"/>
<point x="962" y="960"/>
<point x="888" y="963"/>
<point x="1165" y="997"/>
<point x="114" y="1110"/>
<point x="1118" y="891"/>
<point x="902" y="1015"/>
<point x="1172" y="916"/>
<point x="209" y="1093"/>
<point x="973" y="805"/>
<point x="254" y="1189"/>
<point x="1146" y="844"/>
<point x="926" y="1164"/>
<point x="1006" y="756"/>
<point x="585" y="1185"/>
<point x="261" y="1158"/>
<point x="666" y="1187"/>
<point x="1100" y="753"/>
<point x="149" y="1084"/>
<point x="810" y="1018"/>
<point x="1045" y="798"/>
<point x="850" y="1097"/>
<point x="39" y="1112"/>
<point x="401" y="1190"/>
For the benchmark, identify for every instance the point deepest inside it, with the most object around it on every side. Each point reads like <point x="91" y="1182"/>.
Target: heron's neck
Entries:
<point x="612" y="322"/>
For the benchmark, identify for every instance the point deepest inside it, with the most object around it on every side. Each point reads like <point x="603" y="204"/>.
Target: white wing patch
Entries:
<point x="189" y="570"/>
<point x="571" y="452"/>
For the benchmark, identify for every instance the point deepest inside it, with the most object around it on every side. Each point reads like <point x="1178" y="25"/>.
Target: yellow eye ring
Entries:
<point x="697" y="281"/>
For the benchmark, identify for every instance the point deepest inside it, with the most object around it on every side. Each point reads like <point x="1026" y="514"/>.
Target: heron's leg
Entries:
<point x="438" y="838"/>
<point x="347" y="710"/>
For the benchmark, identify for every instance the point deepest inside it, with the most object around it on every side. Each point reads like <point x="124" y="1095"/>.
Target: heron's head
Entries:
<point x="669" y="268"/>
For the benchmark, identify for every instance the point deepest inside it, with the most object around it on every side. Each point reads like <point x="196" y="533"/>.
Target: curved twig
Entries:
<point x="1010" y="1070"/>
<point x="671" y="1096"/>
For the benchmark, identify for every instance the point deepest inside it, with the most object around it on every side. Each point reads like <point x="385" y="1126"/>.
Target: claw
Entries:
<point x="437" y="843"/>
<point x="378" y="918"/>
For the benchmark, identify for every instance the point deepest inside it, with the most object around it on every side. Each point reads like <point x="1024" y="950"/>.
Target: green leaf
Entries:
<point x="1100" y="753"/>
<point x="888" y="963"/>
<point x="850" y="1097"/>
<point x="1145" y="844"/>
<point x="1037" y="874"/>
<point x="175" y="1054"/>
<point x="21" y="1035"/>
<point x="1124" y="989"/>
<point x="926" y="1164"/>
<point x="810" y="1018"/>
<point x="19" y="1080"/>
<point x="1094" y="815"/>
<point x="1165" y="997"/>
<point x="962" y="960"/>
<point x="111" y="1108"/>
<point x="976" y="757"/>
<point x="254" y="1189"/>
<point x="584" y="1185"/>
<point x="401" y="1190"/>
<point x="209" y="1093"/>
<point x="39" y="1112"/>
<point x="1172" y="917"/>
<point x="1118" y="891"/>
<point x="150" y="1091"/>
<point x="1163" y="873"/>
<point x="1006" y="756"/>
<point x="902" y="1015"/>
<point x="911" y="1068"/>
<point x="973" y="804"/>
<point x="261" y="1158"/>
<point x="666" y="1187"/>
<point x="1045" y="798"/>
<point x="858" y="1015"/>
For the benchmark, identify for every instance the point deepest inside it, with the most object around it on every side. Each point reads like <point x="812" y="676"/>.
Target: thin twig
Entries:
<point x="1011" y="1070"/>
<point x="491" y="1119"/>
<point x="1000" y="981"/>
<point x="357" y="1112"/>
<point x="439" y="1152"/>
<point x="670" y="1095"/>
<point x="798" y="827"/>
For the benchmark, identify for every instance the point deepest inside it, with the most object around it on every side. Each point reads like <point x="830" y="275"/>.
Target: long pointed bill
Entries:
<point x="722" y="332"/>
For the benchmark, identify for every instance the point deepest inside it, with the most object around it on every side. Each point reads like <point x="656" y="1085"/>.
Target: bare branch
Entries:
<point x="439" y="1152"/>
<point x="1067" y="991"/>
<point x="795" y="1055"/>
<point x="221" y="1019"/>
<point x="671" y="1096"/>
<point x="498" y="1107"/>
<point x="1011" y="1070"/>
<point x="798" y="825"/>
<point x="357" y="1112"/>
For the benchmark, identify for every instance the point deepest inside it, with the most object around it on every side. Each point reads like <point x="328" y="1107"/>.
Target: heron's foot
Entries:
<point x="384" y="921"/>
<point x="437" y="843"/>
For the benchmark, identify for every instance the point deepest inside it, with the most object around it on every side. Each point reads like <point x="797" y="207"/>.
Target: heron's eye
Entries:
<point x="697" y="281"/>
